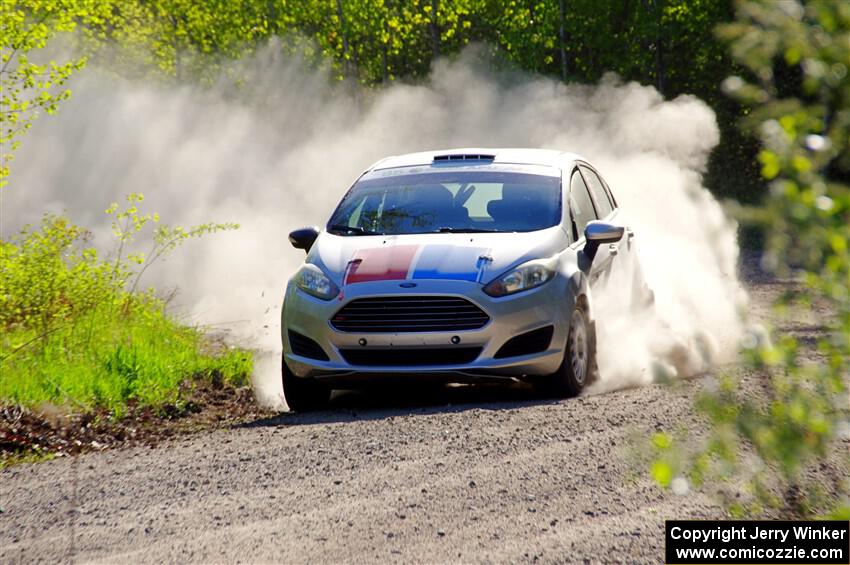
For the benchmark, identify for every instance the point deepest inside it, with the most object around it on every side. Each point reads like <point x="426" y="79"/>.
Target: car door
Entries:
<point x="582" y="211"/>
<point x="624" y="253"/>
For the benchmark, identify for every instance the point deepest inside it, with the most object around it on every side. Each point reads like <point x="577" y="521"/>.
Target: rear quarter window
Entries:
<point x="580" y="205"/>
<point x="604" y="205"/>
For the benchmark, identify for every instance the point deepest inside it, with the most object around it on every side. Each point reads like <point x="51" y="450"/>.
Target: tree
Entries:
<point x="30" y="86"/>
<point x="804" y="130"/>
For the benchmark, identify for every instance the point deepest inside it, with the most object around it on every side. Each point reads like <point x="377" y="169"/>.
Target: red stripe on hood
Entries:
<point x="380" y="264"/>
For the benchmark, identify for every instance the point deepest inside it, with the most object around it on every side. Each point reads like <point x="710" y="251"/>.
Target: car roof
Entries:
<point x="550" y="157"/>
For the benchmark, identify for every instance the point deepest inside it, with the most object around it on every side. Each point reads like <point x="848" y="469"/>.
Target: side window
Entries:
<point x="600" y="195"/>
<point x="580" y="204"/>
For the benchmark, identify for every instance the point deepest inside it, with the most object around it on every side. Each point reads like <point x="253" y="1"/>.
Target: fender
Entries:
<point x="580" y="287"/>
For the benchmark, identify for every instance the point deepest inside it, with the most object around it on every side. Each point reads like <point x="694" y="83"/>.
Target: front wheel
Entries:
<point x="303" y="395"/>
<point x="578" y="369"/>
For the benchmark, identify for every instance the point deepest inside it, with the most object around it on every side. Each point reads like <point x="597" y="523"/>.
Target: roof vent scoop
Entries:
<point x="463" y="157"/>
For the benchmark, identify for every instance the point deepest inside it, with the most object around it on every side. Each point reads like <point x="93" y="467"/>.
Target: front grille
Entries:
<point x="395" y="314"/>
<point x="534" y="341"/>
<point x="306" y="347"/>
<point x="409" y="357"/>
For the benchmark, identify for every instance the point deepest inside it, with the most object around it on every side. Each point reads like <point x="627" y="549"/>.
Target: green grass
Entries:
<point x="74" y="336"/>
<point x="11" y="459"/>
<point x="109" y="357"/>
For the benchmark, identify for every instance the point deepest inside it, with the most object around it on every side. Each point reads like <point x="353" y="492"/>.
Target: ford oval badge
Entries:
<point x="407" y="285"/>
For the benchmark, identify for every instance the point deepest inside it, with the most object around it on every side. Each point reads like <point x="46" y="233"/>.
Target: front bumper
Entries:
<point x="548" y="305"/>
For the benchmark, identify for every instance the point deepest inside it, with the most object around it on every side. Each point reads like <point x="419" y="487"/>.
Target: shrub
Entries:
<point x="76" y="329"/>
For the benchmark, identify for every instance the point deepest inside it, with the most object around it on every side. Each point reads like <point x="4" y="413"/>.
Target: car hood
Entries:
<point x="471" y="257"/>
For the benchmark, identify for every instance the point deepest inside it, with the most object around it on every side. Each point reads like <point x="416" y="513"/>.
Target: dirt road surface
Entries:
<point x="458" y="475"/>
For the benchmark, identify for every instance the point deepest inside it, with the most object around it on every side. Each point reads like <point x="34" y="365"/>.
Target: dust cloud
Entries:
<point x="279" y="152"/>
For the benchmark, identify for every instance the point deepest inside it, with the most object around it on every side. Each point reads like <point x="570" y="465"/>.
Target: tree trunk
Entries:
<point x="660" y="70"/>
<point x="384" y="44"/>
<point x="435" y="31"/>
<point x="272" y="17"/>
<point x="346" y="66"/>
<point x="177" y="63"/>
<point x="563" y="38"/>
<point x="386" y="75"/>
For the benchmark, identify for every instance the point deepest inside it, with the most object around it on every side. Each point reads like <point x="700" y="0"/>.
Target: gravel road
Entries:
<point x="458" y="475"/>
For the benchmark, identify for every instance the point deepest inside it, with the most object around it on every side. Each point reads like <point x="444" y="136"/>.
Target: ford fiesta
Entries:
<point x="459" y="266"/>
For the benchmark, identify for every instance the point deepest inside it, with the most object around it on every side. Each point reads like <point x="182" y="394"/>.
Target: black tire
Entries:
<point x="303" y="395"/>
<point x="578" y="369"/>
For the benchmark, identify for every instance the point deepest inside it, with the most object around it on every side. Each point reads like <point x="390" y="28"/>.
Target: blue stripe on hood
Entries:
<point x="448" y="262"/>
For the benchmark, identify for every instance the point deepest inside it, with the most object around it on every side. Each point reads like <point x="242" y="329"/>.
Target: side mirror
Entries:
<point x="303" y="238"/>
<point x="598" y="233"/>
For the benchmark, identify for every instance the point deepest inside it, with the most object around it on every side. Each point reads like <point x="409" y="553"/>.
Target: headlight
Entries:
<point x="314" y="282"/>
<point x="525" y="277"/>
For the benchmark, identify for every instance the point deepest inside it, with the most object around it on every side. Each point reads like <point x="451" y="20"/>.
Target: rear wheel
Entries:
<point x="578" y="369"/>
<point x="303" y="395"/>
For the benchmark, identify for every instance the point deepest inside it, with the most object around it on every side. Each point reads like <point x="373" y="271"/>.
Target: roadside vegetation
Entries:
<point x="79" y="332"/>
<point x="78" y="328"/>
<point x="83" y="340"/>
<point x="776" y="443"/>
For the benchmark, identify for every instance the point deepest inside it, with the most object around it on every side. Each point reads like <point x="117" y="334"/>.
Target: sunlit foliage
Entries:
<point x="76" y="329"/>
<point x="805" y="137"/>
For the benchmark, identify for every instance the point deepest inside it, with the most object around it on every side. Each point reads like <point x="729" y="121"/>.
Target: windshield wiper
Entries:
<point x="351" y="229"/>
<point x="464" y="230"/>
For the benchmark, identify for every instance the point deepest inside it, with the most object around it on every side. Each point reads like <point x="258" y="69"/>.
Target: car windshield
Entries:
<point x="449" y="201"/>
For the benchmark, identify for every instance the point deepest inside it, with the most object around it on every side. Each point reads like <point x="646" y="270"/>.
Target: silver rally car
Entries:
<point x="457" y="265"/>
